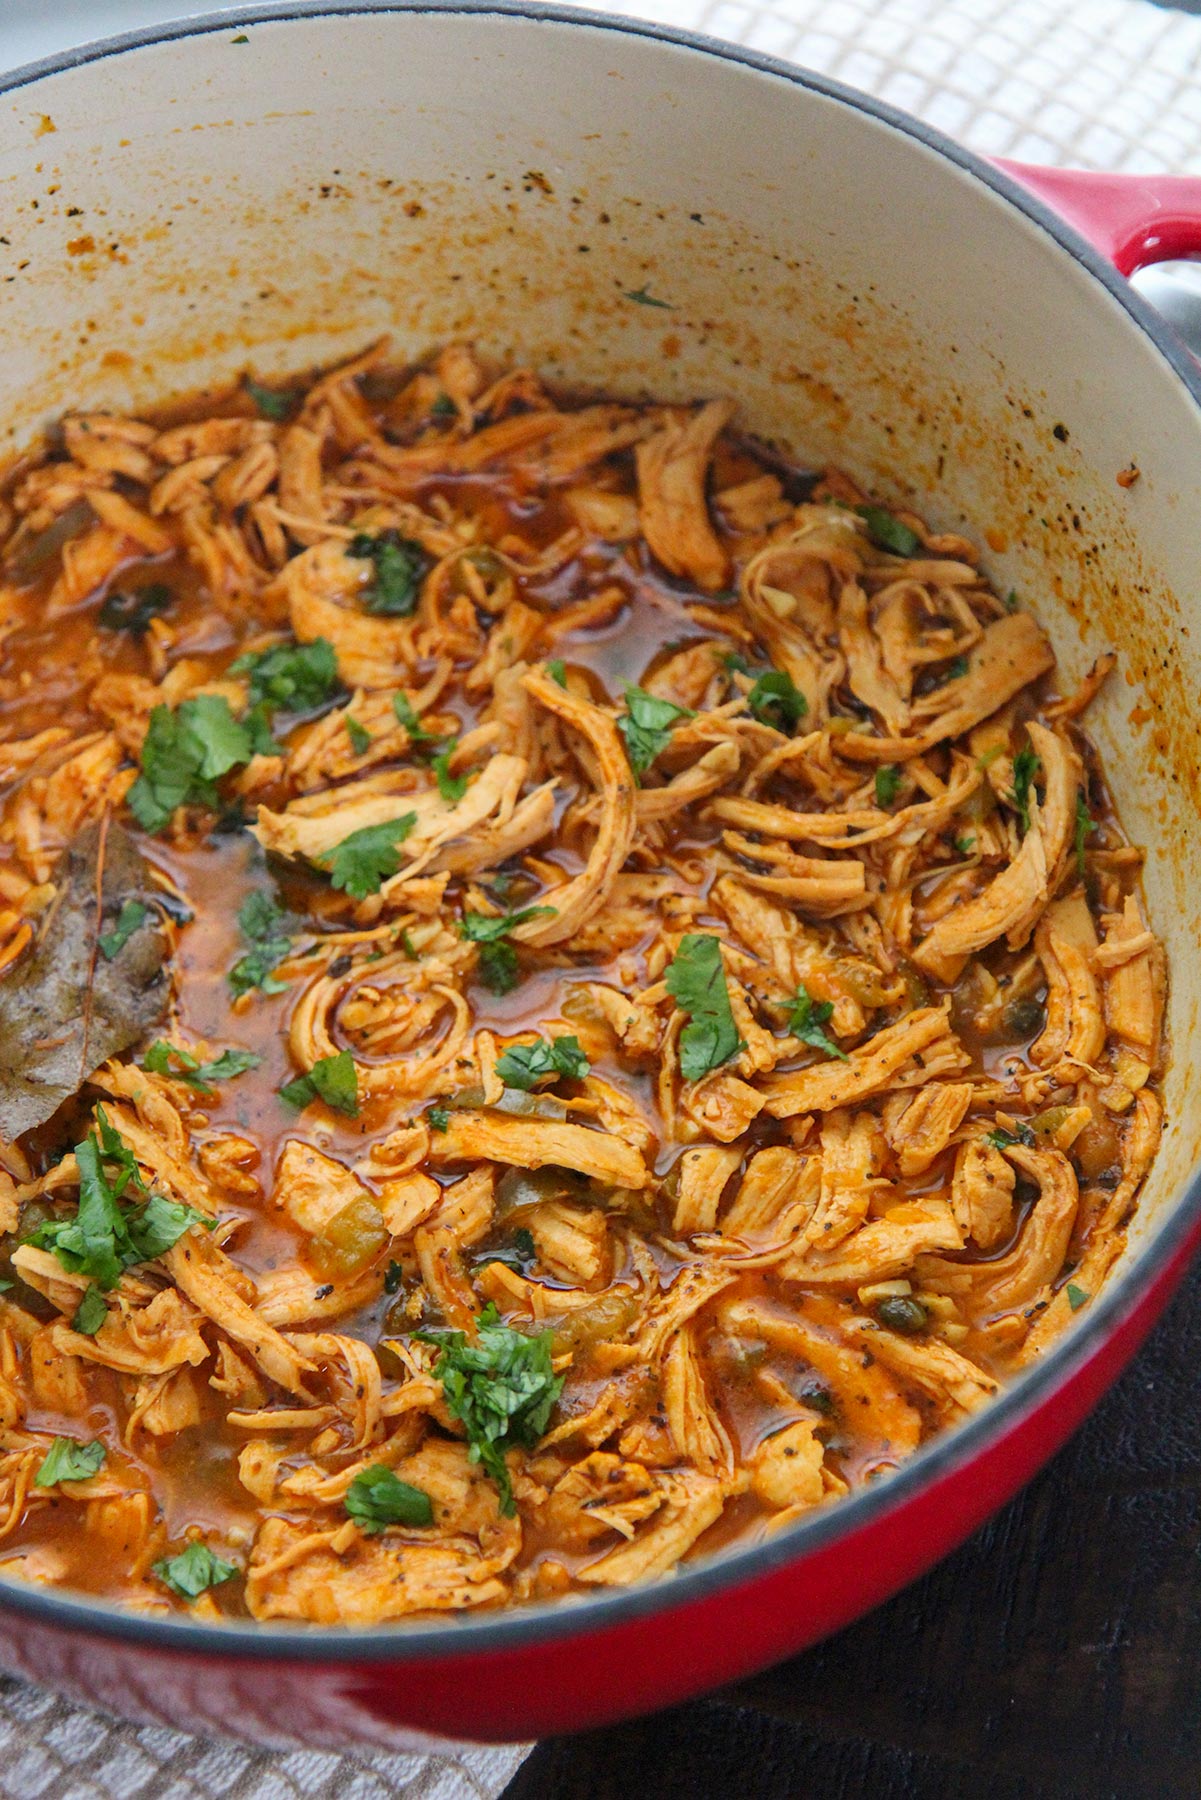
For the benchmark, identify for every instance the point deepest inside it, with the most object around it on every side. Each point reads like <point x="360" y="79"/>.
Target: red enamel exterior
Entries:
<point x="575" y="1667"/>
<point x="594" y="1675"/>
<point x="1131" y="219"/>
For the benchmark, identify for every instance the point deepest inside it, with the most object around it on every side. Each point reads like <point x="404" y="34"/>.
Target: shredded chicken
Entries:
<point x="658" y="1015"/>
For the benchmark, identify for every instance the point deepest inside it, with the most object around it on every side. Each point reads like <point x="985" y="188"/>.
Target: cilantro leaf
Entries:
<point x="393" y="1277"/>
<point x="776" y="700"/>
<point x="333" y="1079"/>
<point x="646" y="725"/>
<point x="130" y="917"/>
<point x="696" y="981"/>
<point x="402" y="706"/>
<point x="91" y="1243"/>
<point x="451" y="787"/>
<point x="439" y="1118"/>
<point x="888" y="533"/>
<point x="296" y="677"/>
<point x="964" y="845"/>
<point x="1025" y="767"/>
<point x="224" y="743"/>
<point x="103" y="1239"/>
<point x="183" y="754"/>
<point x="642" y="297"/>
<point x="362" y="862"/>
<point x="520" y="1255"/>
<point x="557" y="670"/>
<point x="399" y="566"/>
<point x="1076" y="1296"/>
<point x="194" y="1570"/>
<point x="90" y="1314"/>
<point x="377" y="1498"/>
<point x="155" y="1227"/>
<point x="888" y="782"/>
<point x="501" y="1388"/>
<point x="360" y="737"/>
<point x="1085" y="823"/>
<point x="269" y="403"/>
<point x="1000" y="1139"/>
<point x="262" y="922"/>
<point x="69" y="1460"/>
<point x="498" y="966"/>
<point x="161" y="1055"/>
<point x="806" y="1017"/>
<point x="134" y="610"/>
<point x="523" y="1065"/>
<point x="956" y="668"/>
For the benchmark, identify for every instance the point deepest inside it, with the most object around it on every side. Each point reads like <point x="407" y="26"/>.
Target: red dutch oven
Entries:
<point x="279" y="186"/>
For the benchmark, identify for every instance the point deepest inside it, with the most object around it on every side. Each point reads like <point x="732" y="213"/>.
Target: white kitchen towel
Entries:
<point x="1102" y="84"/>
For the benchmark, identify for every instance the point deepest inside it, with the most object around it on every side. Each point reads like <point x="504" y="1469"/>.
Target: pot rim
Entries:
<point x="530" y="1626"/>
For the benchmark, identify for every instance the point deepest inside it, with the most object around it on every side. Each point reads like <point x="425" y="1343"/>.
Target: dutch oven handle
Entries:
<point x="1149" y="226"/>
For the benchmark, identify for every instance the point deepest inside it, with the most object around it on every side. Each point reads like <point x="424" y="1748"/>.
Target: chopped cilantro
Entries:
<point x="451" y="787"/>
<point x="402" y="706"/>
<point x="776" y="700"/>
<point x="333" y="1079"/>
<point x="69" y="1460"/>
<point x="1085" y="823"/>
<point x="399" y="566"/>
<point x="193" y="1571"/>
<point x="520" y="1255"/>
<point x="524" y="1065"/>
<point x="1000" y="1139"/>
<point x="557" y="670"/>
<point x="1076" y="1296"/>
<point x="393" y="1276"/>
<point x="409" y="947"/>
<point x="90" y="1314"/>
<point x="443" y="407"/>
<point x="132" y="611"/>
<point x="360" y="737"/>
<point x="1025" y="767"/>
<point x="502" y="1389"/>
<point x="696" y="981"/>
<point x="184" y="753"/>
<point x="263" y="923"/>
<point x="362" y="862"/>
<point x="646" y="725"/>
<point x="498" y="960"/>
<point x="957" y="668"/>
<point x="1011" y="600"/>
<point x="964" y="845"/>
<point x="888" y="533"/>
<point x="643" y="297"/>
<point x="102" y="1239"/>
<point x="130" y="917"/>
<point x="888" y="783"/>
<point x="439" y="1118"/>
<point x="806" y="1018"/>
<point x="377" y="1498"/>
<point x="269" y="402"/>
<point x="161" y="1055"/>
<point x="296" y="677"/>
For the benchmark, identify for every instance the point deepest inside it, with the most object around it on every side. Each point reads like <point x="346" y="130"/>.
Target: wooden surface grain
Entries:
<point x="1058" y="1653"/>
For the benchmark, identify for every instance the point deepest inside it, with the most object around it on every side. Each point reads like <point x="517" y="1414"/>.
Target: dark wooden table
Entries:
<point x="1058" y="1653"/>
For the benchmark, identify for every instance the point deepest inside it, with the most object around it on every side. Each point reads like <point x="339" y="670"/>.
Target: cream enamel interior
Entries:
<point x="180" y="210"/>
